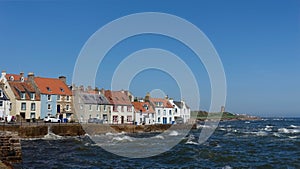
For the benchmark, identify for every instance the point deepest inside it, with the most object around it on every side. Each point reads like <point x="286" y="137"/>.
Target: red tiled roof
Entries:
<point x="25" y="87"/>
<point x="16" y="77"/>
<point x="140" y="106"/>
<point x="117" y="97"/>
<point x="165" y="102"/>
<point x="52" y="86"/>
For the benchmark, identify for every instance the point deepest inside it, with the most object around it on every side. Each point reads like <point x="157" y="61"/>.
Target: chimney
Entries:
<point x="30" y="76"/>
<point x="166" y="97"/>
<point x="22" y="74"/>
<point x="3" y="74"/>
<point x="89" y="88"/>
<point x="147" y="97"/>
<point x="63" y="79"/>
<point x="102" y="91"/>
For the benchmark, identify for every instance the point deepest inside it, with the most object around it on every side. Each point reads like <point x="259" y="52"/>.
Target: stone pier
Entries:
<point x="10" y="147"/>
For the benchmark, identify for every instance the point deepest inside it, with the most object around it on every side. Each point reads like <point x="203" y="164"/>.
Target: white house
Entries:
<point x="144" y="113"/>
<point x="182" y="111"/>
<point x="4" y="103"/>
<point x="123" y="111"/>
<point x="164" y="110"/>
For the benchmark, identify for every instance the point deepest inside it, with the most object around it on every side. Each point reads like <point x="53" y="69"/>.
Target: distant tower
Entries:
<point x="222" y="109"/>
<point x="147" y="97"/>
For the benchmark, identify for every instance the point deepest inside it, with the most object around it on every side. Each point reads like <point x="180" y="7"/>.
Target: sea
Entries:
<point x="266" y="143"/>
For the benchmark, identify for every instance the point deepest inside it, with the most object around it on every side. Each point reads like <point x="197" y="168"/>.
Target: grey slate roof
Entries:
<point x="179" y="104"/>
<point x="94" y="99"/>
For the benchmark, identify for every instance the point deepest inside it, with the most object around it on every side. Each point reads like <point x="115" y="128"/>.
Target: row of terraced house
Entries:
<point x="31" y="97"/>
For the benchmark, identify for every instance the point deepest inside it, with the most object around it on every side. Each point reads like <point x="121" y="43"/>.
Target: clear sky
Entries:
<point x="257" y="41"/>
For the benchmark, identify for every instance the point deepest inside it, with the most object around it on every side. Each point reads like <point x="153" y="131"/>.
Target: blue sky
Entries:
<point x="257" y="41"/>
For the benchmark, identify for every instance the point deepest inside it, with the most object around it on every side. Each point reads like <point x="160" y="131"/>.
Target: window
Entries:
<point x="170" y="120"/>
<point x="158" y="119"/>
<point x="90" y="107"/>
<point x="158" y="112"/>
<point x="62" y="90"/>
<point x="129" y="108"/>
<point x="98" y="108"/>
<point x="122" y="108"/>
<point x="175" y="110"/>
<point x="129" y="118"/>
<point x="115" y="118"/>
<point x="68" y="98"/>
<point x="104" y="107"/>
<point x="81" y="107"/>
<point x="23" y="106"/>
<point x="32" y="106"/>
<point x="49" y="97"/>
<point x="1" y="93"/>
<point x="58" y="97"/>
<point x="32" y="96"/>
<point x="115" y="108"/>
<point x="67" y="107"/>
<point x="23" y="95"/>
<point x="1" y="103"/>
<point x="32" y="115"/>
<point x="165" y="112"/>
<point x="170" y="112"/>
<point x="48" y="89"/>
<point x="49" y="106"/>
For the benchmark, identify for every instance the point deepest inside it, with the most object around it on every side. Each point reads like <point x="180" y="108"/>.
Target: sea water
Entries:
<point x="267" y="143"/>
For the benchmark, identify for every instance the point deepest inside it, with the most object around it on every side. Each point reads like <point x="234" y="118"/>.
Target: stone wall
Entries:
<point x="10" y="147"/>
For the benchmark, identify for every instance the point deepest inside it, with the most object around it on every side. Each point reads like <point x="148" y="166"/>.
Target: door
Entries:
<point x="58" y="108"/>
<point x="164" y="120"/>
<point x="122" y="119"/>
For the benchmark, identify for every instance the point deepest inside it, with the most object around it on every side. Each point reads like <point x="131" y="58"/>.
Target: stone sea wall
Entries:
<point x="39" y="131"/>
<point x="10" y="147"/>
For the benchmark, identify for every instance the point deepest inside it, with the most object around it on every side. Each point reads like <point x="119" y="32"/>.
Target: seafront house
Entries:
<point x="164" y="110"/>
<point x="4" y="103"/>
<point x="56" y="96"/>
<point x="122" y="111"/>
<point x="25" y="101"/>
<point x="144" y="113"/>
<point x="93" y="105"/>
<point x="182" y="112"/>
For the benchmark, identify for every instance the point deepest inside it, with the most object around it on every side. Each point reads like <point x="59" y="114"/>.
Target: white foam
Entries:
<point x="276" y="135"/>
<point x="288" y="131"/>
<point x="173" y="133"/>
<point x="159" y="137"/>
<point x="258" y="133"/>
<point x="192" y="142"/>
<point x="227" y="167"/>
<point x="247" y="122"/>
<point x="125" y="138"/>
<point x="293" y="126"/>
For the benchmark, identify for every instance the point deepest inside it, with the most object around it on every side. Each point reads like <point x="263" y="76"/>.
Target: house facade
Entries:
<point x="144" y="113"/>
<point x="122" y="109"/>
<point x="164" y="111"/>
<point x="25" y="101"/>
<point x="4" y="103"/>
<point x="55" y="96"/>
<point x="93" y="105"/>
<point x="182" y="112"/>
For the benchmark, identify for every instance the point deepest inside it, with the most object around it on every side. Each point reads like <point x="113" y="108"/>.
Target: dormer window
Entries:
<point x="49" y="97"/>
<point x="62" y="90"/>
<point x="22" y="95"/>
<point x="48" y="89"/>
<point x="11" y="78"/>
<point x="32" y="96"/>
<point x="22" y="79"/>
